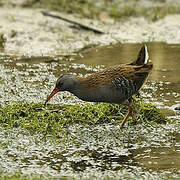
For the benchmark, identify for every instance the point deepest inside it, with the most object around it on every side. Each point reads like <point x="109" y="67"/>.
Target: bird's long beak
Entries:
<point x="56" y="90"/>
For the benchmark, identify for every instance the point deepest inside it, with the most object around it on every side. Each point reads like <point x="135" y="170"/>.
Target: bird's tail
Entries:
<point x="142" y="57"/>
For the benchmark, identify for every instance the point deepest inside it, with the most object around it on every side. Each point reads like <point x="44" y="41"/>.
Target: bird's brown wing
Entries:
<point x="98" y="79"/>
<point x="110" y="75"/>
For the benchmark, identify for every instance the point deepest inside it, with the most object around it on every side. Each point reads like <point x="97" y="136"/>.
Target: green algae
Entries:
<point x="18" y="176"/>
<point x="54" y="119"/>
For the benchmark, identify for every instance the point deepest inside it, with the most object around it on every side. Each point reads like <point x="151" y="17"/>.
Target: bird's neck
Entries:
<point x="76" y="87"/>
<point x="81" y="87"/>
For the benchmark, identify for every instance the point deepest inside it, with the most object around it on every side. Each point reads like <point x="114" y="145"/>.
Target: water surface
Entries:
<point x="143" y="151"/>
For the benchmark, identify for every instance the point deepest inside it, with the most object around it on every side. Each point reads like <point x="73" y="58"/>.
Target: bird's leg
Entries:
<point x="132" y="106"/>
<point x="133" y="116"/>
<point x="129" y="113"/>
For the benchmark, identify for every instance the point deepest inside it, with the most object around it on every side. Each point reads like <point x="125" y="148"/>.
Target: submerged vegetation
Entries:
<point x="116" y="9"/>
<point x="55" y="118"/>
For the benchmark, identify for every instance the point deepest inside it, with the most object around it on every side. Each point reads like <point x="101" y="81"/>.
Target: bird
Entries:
<point x="116" y="84"/>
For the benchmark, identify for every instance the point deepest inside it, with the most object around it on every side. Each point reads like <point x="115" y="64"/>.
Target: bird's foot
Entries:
<point x="129" y="113"/>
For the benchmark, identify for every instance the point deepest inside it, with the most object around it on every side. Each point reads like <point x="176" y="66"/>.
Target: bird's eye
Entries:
<point x="60" y="83"/>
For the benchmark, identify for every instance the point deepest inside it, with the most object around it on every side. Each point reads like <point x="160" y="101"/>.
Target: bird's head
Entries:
<point x="64" y="83"/>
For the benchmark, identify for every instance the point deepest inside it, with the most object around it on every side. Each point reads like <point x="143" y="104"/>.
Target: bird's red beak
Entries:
<point x="56" y="90"/>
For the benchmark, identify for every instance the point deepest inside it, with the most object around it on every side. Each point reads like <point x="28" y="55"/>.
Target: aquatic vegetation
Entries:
<point x="55" y="118"/>
<point x="18" y="176"/>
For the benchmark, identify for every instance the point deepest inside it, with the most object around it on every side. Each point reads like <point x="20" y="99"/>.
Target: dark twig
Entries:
<point x="73" y="22"/>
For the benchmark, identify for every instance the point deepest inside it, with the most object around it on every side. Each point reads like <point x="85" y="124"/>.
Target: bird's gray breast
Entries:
<point x="118" y="91"/>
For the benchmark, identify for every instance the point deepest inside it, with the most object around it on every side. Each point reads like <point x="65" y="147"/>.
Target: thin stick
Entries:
<point x="73" y="22"/>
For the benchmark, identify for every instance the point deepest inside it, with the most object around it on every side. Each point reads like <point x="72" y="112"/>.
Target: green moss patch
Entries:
<point x="55" y="118"/>
<point x="18" y="176"/>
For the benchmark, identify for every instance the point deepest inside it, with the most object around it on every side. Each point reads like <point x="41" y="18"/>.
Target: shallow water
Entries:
<point x="143" y="151"/>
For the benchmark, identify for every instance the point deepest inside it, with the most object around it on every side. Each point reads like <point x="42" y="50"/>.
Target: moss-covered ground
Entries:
<point x="56" y="122"/>
<point x="18" y="176"/>
<point x="54" y="119"/>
